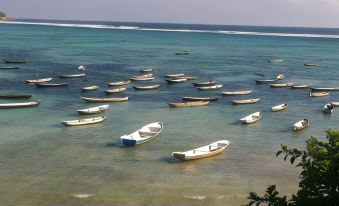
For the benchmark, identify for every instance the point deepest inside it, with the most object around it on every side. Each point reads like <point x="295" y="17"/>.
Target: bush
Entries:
<point x="319" y="184"/>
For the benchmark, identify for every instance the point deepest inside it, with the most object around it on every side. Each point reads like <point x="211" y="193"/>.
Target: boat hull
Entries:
<point x="19" y="105"/>
<point x="23" y="96"/>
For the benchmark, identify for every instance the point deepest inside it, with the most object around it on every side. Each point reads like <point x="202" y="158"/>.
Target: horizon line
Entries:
<point x="310" y="27"/>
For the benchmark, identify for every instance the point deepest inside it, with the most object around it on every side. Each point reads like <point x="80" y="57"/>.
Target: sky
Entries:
<point x="305" y="13"/>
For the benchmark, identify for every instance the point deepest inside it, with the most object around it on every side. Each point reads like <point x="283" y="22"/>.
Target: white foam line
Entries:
<point x="93" y="26"/>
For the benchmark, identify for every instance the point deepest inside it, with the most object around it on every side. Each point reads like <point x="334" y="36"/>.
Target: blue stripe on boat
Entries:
<point x="128" y="142"/>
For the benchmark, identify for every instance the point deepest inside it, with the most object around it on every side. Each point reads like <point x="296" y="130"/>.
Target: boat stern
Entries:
<point x="128" y="142"/>
<point x="179" y="155"/>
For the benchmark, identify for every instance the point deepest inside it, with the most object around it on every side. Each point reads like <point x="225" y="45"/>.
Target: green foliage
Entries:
<point x="2" y="14"/>
<point x="319" y="184"/>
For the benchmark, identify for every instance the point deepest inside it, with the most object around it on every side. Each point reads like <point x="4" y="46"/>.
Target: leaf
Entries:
<point x="292" y="159"/>
<point x="278" y="153"/>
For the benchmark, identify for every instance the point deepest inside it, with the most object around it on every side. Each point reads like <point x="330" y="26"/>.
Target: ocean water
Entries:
<point x="44" y="163"/>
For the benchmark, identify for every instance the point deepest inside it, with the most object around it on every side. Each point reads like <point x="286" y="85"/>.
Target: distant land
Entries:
<point x="3" y="16"/>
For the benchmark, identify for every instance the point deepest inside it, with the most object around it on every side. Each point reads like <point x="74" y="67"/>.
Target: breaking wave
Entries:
<point x="98" y="26"/>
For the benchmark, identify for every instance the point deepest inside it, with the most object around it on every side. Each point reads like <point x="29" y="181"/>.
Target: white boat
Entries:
<point x="189" y="104"/>
<point x="145" y="134"/>
<point x="325" y="89"/>
<point x="150" y="87"/>
<point x="279" y="107"/>
<point x="212" y="98"/>
<point x="202" y="152"/>
<point x="301" y="124"/>
<point x="94" y="110"/>
<point x="90" y="88"/>
<point x="142" y="78"/>
<point x="186" y="77"/>
<point x="33" y="81"/>
<point x="310" y="64"/>
<point x="282" y="85"/>
<point x="265" y="81"/>
<point x="336" y="104"/>
<point x="19" y="105"/>
<point x="246" y="101"/>
<point x="115" y="91"/>
<point x="174" y="75"/>
<point x="72" y="75"/>
<point x="328" y="108"/>
<point x="79" y="122"/>
<point x="213" y="87"/>
<point x="121" y="83"/>
<point x="82" y="68"/>
<point x="173" y="81"/>
<point x="301" y="86"/>
<point x="319" y="94"/>
<point x="235" y="93"/>
<point x="202" y="84"/>
<point x="273" y="61"/>
<point x="251" y="118"/>
<point x="280" y="76"/>
<point x="147" y="70"/>
<point x="97" y="100"/>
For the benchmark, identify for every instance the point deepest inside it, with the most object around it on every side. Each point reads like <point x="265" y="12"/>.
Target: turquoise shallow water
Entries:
<point x="43" y="162"/>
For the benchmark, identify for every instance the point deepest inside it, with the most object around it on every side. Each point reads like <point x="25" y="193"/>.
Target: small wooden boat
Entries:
<point x="142" y="78"/>
<point x="51" y="84"/>
<point x="186" y="77"/>
<point x="236" y="93"/>
<point x="246" y="101"/>
<point x="9" y="67"/>
<point x="90" y="88"/>
<point x="202" y="152"/>
<point x="151" y="87"/>
<point x="189" y="104"/>
<point x="301" y="86"/>
<point x="15" y="96"/>
<point x="202" y="84"/>
<point x="121" y="83"/>
<point x="16" y="61"/>
<point x="301" y="124"/>
<point x="319" y="94"/>
<point x="94" y="110"/>
<point x="279" y="107"/>
<point x="175" y="75"/>
<point x="19" y="105"/>
<point x="34" y="81"/>
<point x="251" y="118"/>
<point x="208" y="88"/>
<point x="336" y="104"/>
<point x="310" y="64"/>
<point x="328" y="108"/>
<point x="282" y="85"/>
<point x="274" y="61"/>
<point x="325" y="89"/>
<point x="80" y="122"/>
<point x="147" y="70"/>
<point x="97" y="100"/>
<point x="72" y="75"/>
<point x="143" y="135"/>
<point x="213" y="98"/>
<point x="184" y="52"/>
<point x="265" y="81"/>
<point x="280" y="77"/>
<point x="174" y="81"/>
<point x="115" y="91"/>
